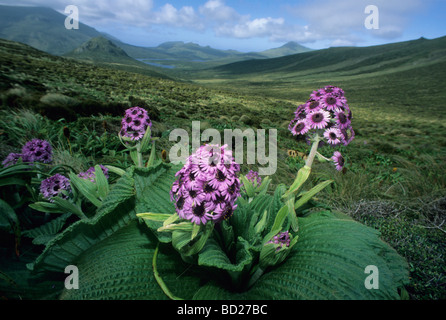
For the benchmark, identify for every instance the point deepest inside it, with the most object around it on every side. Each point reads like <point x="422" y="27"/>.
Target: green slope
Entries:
<point x="102" y="51"/>
<point x="42" y="28"/>
<point x="352" y="60"/>
<point x="285" y="50"/>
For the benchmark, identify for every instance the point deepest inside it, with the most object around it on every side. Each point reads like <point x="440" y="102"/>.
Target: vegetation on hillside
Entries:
<point x="394" y="178"/>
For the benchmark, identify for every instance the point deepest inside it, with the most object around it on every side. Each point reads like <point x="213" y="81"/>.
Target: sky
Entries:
<point x="259" y="25"/>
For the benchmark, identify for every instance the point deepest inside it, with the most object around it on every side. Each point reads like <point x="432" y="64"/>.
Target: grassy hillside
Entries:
<point x="288" y="48"/>
<point x="42" y="28"/>
<point x="103" y="52"/>
<point x="394" y="179"/>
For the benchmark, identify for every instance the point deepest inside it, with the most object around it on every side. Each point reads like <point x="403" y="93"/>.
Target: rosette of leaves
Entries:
<point x="115" y="251"/>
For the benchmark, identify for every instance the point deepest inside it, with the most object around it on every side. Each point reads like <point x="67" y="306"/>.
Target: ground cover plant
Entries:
<point x="392" y="181"/>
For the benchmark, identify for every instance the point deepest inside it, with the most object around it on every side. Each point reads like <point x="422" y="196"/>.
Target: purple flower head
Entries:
<point x="207" y="185"/>
<point x="37" y="150"/>
<point x="254" y="177"/>
<point x="325" y="113"/>
<point x="91" y="175"/>
<point x="135" y="123"/>
<point x="12" y="159"/>
<point x="333" y="136"/>
<point x="281" y="239"/>
<point x="53" y="186"/>
<point x="338" y="160"/>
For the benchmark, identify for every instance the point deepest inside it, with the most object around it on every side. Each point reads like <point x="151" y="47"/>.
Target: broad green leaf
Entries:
<point x="117" y="211"/>
<point x="87" y="188"/>
<point x="263" y="188"/>
<point x="120" y="268"/>
<point x="116" y="170"/>
<point x="213" y="256"/>
<point x="151" y="160"/>
<point x="68" y="206"/>
<point x="47" y="230"/>
<point x="8" y="217"/>
<point x="46" y="207"/>
<point x="310" y="193"/>
<point x="152" y="187"/>
<point x="12" y="181"/>
<point x="327" y="262"/>
<point x="101" y="182"/>
<point x="185" y="245"/>
<point x="292" y="214"/>
<point x="160" y="217"/>
<point x="302" y="176"/>
<point x="248" y="186"/>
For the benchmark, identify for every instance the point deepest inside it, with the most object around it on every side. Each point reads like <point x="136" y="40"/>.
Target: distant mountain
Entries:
<point x="42" y="28"/>
<point x="102" y="51"/>
<point x="349" y="60"/>
<point x="285" y="50"/>
<point x="179" y="50"/>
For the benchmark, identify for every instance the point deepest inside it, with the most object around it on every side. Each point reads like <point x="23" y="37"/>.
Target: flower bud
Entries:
<point x="276" y="250"/>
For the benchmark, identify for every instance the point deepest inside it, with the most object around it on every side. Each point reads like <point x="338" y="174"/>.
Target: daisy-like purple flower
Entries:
<point x="135" y="123"/>
<point x="301" y="127"/>
<point x="333" y="136"/>
<point x="12" y="159"/>
<point x="342" y="120"/>
<point x="54" y="185"/>
<point x="318" y="119"/>
<point x="207" y="185"/>
<point x="332" y="102"/>
<point x="347" y="135"/>
<point x="327" y="114"/>
<point x="338" y="160"/>
<point x="37" y="150"/>
<point x="313" y="105"/>
<point x="91" y="175"/>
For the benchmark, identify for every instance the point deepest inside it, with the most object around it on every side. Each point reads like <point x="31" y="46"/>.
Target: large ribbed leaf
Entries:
<point x="328" y="262"/>
<point x="121" y="268"/>
<point x="152" y="193"/>
<point x="46" y="232"/>
<point x="127" y="197"/>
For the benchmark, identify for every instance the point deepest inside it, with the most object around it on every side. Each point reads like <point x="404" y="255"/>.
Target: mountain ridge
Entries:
<point x="44" y="29"/>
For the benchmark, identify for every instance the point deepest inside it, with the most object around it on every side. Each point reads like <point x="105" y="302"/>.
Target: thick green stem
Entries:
<point x="313" y="151"/>
<point x="139" y="154"/>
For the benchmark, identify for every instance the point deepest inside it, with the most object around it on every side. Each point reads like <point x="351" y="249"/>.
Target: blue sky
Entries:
<point x="257" y="25"/>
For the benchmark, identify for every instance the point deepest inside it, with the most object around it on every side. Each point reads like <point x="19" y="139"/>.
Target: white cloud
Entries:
<point x="342" y="21"/>
<point x="337" y="22"/>
<point x="260" y="27"/>
<point x="185" y="17"/>
<point x="217" y="11"/>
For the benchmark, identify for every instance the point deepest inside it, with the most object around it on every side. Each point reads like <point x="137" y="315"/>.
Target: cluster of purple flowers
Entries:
<point x="253" y="176"/>
<point x="90" y="173"/>
<point x="53" y="186"/>
<point x="12" y="159"/>
<point x="207" y="185"/>
<point x="36" y="150"/>
<point x="135" y="123"/>
<point x="281" y="239"/>
<point x="327" y="113"/>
